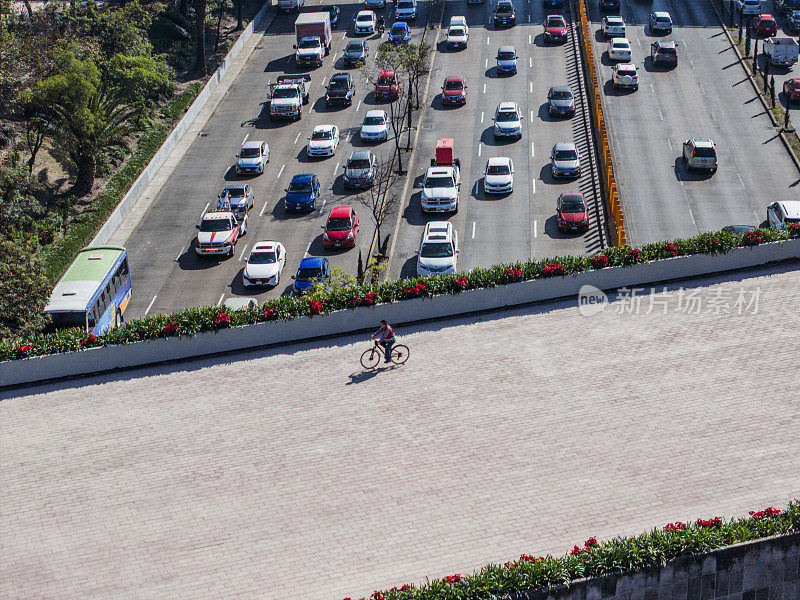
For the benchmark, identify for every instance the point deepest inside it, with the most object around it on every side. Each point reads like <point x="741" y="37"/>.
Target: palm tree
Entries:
<point x="88" y="132"/>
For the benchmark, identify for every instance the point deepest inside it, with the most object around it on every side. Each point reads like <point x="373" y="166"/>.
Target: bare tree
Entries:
<point x="382" y="199"/>
<point x="200" y="37"/>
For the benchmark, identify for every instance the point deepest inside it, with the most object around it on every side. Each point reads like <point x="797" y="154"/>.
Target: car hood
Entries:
<point x="357" y="173"/>
<point x="206" y="237"/>
<point x="453" y="93"/>
<point x="567" y="164"/>
<point x="285" y="101"/>
<point x="506" y="63"/>
<point x="373" y="128"/>
<point x="562" y="103"/>
<point x="559" y="30"/>
<point x="456" y="38"/>
<point x="438" y="193"/>
<point x="446" y="261"/>
<point x="249" y="162"/>
<point x="320" y="144"/>
<point x="299" y="196"/>
<point x="509" y="125"/>
<point x="574" y="217"/>
<point x="261" y="271"/>
<point x="302" y="51"/>
<point x="337" y="93"/>
<point x="303" y="285"/>
<point x="338" y="235"/>
<point x="498" y="179"/>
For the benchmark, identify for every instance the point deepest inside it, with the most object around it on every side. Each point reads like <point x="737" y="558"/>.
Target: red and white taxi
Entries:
<point x="218" y="233"/>
<point x="341" y="229"/>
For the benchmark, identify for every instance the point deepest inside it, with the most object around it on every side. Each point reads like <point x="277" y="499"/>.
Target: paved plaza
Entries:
<point x="291" y="474"/>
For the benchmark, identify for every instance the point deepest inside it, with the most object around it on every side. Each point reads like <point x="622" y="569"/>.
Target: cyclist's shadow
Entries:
<point x="367" y="375"/>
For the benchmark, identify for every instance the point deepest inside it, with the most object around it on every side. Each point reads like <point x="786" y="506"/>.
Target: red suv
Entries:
<point x="388" y="85"/>
<point x="341" y="229"/>
<point x="555" y="28"/>
<point x="571" y="212"/>
<point x="791" y="87"/>
<point x="454" y="90"/>
<point x="765" y="25"/>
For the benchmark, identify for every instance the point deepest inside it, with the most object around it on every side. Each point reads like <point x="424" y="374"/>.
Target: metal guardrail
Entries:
<point x="607" y="178"/>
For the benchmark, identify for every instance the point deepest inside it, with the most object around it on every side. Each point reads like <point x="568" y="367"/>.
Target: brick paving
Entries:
<point x="291" y="474"/>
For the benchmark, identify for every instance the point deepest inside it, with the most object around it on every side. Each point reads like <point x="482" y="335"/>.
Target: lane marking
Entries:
<point x="220" y="298"/>
<point x="358" y="105"/>
<point x="486" y="64"/>
<point x="321" y="208"/>
<point x="484" y="88"/>
<point x="530" y="62"/>
<point x="344" y="35"/>
<point x="530" y="87"/>
<point x="529" y="38"/>
<point x="533" y="182"/>
<point x="241" y="256"/>
<point x="324" y="78"/>
<point x="652" y="89"/>
<point x="481" y="117"/>
<point x="659" y="114"/>
<point x="177" y="258"/>
<point x="349" y="135"/>
<point x="298" y="136"/>
<point x="261" y="214"/>
<point x="479" y="149"/>
<point x="532" y="152"/>
<point x="531" y="116"/>
<point x="244" y="141"/>
<point x="308" y="248"/>
<point x="279" y="172"/>
<point x="204" y="211"/>
<point x="487" y="40"/>
<point x="529" y="18"/>
<point x="149" y="306"/>
<point x="473" y="230"/>
<point x="336" y="170"/>
<point x="535" y="232"/>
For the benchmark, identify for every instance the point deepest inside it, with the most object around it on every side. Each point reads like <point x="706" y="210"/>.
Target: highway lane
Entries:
<point x="706" y="95"/>
<point x="167" y="273"/>
<point x="495" y="229"/>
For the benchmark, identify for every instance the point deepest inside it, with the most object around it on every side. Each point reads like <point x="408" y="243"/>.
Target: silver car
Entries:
<point x="560" y="101"/>
<point x="564" y="160"/>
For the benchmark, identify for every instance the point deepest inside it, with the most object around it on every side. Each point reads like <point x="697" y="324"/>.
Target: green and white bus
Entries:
<point x="94" y="292"/>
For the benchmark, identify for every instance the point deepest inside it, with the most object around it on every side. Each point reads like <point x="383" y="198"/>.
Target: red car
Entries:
<point x="555" y="28"/>
<point x="341" y="229"/>
<point x="388" y="85"/>
<point x="791" y="87"/>
<point x="454" y="90"/>
<point x="765" y="25"/>
<point x="571" y="211"/>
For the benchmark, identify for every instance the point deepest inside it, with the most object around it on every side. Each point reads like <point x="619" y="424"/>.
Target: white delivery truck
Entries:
<point x="313" y="32"/>
<point x="781" y="50"/>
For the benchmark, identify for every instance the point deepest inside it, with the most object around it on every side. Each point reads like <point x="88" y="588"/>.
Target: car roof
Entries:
<point x="509" y="106"/>
<point x="564" y="146"/>
<point x="359" y="43"/>
<point x="454" y="78"/>
<point x="661" y="14"/>
<point x="303" y="177"/>
<point x="791" y="208"/>
<point x="561" y="88"/>
<point x="218" y="214"/>
<point x="323" y="128"/>
<point x="433" y="171"/>
<point x="358" y="154"/>
<point x="375" y="113"/>
<point x="614" y="19"/>
<point x="312" y="262"/>
<point x="402" y="24"/>
<point x="507" y="49"/>
<point x="665" y="43"/>
<point x="386" y="73"/>
<point x="559" y="17"/>
<point x="265" y="245"/>
<point x="362" y="13"/>
<point x="766" y="16"/>
<point x="252" y="144"/>
<point x="438" y="230"/>
<point x="571" y="195"/>
<point x="341" y="211"/>
<point x="620" y="41"/>
<point x="234" y="186"/>
<point x="703" y="143"/>
<point x="625" y="67"/>
<point x="341" y="76"/>
<point x="498" y="160"/>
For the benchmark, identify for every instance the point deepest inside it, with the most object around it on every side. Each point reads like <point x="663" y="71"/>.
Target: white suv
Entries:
<point x="498" y="178"/>
<point x="700" y="154"/>
<point x="781" y="214"/>
<point x="252" y="158"/>
<point x="507" y="121"/>
<point x="749" y="7"/>
<point x="438" y="250"/>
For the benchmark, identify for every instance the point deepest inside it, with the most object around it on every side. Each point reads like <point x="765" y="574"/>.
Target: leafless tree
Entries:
<point x="382" y="199"/>
<point x="200" y="37"/>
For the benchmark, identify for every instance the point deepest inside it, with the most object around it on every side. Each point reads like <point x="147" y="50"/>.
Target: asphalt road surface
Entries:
<point x="501" y="229"/>
<point x="706" y="96"/>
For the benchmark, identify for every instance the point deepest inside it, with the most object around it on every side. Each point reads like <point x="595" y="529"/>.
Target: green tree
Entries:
<point x="24" y="291"/>
<point x="200" y="37"/>
<point x="139" y="78"/>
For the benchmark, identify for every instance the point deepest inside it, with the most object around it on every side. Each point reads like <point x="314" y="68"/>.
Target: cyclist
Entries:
<point x="386" y="339"/>
<point x="381" y="24"/>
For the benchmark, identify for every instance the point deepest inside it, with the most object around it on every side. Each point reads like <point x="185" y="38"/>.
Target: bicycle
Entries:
<point x="370" y="358"/>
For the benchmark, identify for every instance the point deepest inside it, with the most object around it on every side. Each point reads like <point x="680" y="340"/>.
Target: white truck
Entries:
<point x="781" y="50"/>
<point x="288" y="95"/>
<point x="313" y="33"/>
<point x="290" y="5"/>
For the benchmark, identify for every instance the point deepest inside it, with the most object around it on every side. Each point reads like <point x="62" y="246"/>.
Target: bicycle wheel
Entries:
<point x="370" y="358"/>
<point x="400" y="354"/>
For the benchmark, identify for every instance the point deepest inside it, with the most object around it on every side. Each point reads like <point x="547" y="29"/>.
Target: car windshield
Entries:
<point x="566" y="155"/>
<point x="663" y="19"/>
<point x="498" y="170"/>
<point x="337" y="83"/>
<point x="322" y="135"/>
<point x="704" y="152"/>
<point x="436" y="250"/>
<point x="507" y="116"/>
<point x="398" y="28"/>
<point x="504" y="8"/>
<point x="385" y="80"/>
<point x="504" y="55"/>
<point x="68" y="320"/>
<point x="358" y="163"/>
<point x="262" y="258"/>
<point x="250" y="153"/>
<point x="284" y="93"/>
<point x="667" y="50"/>
<point x="438" y="181"/>
<point x="405" y="5"/>
<point x="339" y="224"/>
<point x="560" y="95"/>
<point x="456" y="31"/>
<point x="300" y="186"/>
<point x="617" y="44"/>
<point x="308" y="274"/>
<point x="373" y="121"/>
<point x="453" y="85"/>
<point x="235" y="192"/>
<point x="364" y="18"/>
<point x="215" y="225"/>
<point x="572" y="204"/>
<point x="354" y="47"/>
<point x="308" y="44"/>
<point x="555" y="22"/>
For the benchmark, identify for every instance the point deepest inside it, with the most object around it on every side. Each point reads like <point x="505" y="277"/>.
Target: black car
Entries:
<point x="555" y="3"/>
<point x="340" y="90"/>
<point x="334" y="12"/>
<point x="504" y="13"/>
<point x="355" y="53"/>
<point x="793" y="20"/>
<point x="784" y="6"/>
<point x="609" y="4"/>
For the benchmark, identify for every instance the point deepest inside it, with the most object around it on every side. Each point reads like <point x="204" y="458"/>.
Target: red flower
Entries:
<point x="506" y="564"/>
<point x="514" y="275"/>
<point x="794" y="228"/>
<point x="677" y="526"/>
<point x="415" y="291"/>
<point x="576" y="550"/>
<point x="24" y="351"/>
<point x="709" y="523"/>
<point x="269" y="313"/>
<point x="600" y="261"/>
<point x="170" y="329"/>
<point x="368" y="299"/>
<point x="376" y="595"/>
<point x="405" y="586"/>
<point x="590" y="543"/>
<point x="670" y="249"/>
<point x="315" y="308"/>
<point x="394" y="589"/>
<point x="715" y="242"/>
<point x="355" y="300"/>
<point x="222" y="320"/>
<point x="530" y="558"/>
<point x="753" y="238"/>
<point x="89" y="341"/>
<point x="552" y="270"/>
<point x="635" y="254"/>
<point x="460" y="283"/>
<point x="768" y="512"/>
<point x="454" y="579"/>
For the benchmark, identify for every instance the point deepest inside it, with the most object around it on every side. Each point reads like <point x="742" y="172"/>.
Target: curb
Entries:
<point x="767" y="109"/>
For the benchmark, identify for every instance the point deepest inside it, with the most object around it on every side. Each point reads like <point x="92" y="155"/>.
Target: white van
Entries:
<point x="458" y="32"/>
<point x="438" y="249"/>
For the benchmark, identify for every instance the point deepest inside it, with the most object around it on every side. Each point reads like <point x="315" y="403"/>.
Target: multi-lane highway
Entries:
<point x="706" y="95"/>
<point x="522" y="224"/>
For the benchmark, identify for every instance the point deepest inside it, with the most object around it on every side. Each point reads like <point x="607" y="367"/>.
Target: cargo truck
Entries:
<point x="313" y="33"/>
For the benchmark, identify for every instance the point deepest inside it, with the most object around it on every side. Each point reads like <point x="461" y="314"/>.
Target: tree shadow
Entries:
<point x="409" y="268"/>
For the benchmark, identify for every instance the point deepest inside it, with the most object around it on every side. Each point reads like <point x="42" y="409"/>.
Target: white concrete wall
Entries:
<point x="407" y="311"/>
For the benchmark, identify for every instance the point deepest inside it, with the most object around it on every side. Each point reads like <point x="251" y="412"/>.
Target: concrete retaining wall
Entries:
<point x="764" y="569"/>
<point x="137" y="189"/>
<point x="346" y="321"/>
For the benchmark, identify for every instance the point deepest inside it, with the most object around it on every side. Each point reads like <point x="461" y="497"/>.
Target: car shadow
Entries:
<point x="191" y="261"/>
<point x="371" y="100"/>
<point x="682" y="172"/>
<point x="315" y="248"/>
<point x="319" y="105"/>
<point x="264" y="121"/>
<point x="278" y="65"/>
<point x="607" y="62"/>
<point x="546" y="176"/>
<point x="552" y="231"/>
<point x="610" y="90"/>
<point x="232" y="175"/>
<point x="544" y="114"/>
<point x="409" y="268"/>
<point x="599" y="37"/>
<point x="412" y="214"/>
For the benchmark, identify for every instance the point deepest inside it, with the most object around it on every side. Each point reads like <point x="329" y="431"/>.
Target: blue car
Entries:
<point x="302" y="193"/>
<point x="400" y="32"/>
<point x="311" y="269"/>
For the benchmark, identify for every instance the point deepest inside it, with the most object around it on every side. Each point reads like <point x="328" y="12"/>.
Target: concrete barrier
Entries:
<point x="96" y="360"/>
<point x="138" y="187"/>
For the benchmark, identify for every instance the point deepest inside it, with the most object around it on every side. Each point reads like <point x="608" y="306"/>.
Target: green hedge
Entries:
<point x="57" y="256"/>
<point x="327" y="299"/>
<point x="593" y="558"/>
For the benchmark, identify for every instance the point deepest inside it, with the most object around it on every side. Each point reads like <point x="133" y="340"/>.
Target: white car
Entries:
<point x="613" y="26"/>
<point x="375" y="126"/>
<point x="438" y="249"/>
<point x="507" y="121"/>
<point x="781" y="214"/>
<point x="498" y="178"/>
<point x="365" y="22"/>
<point x="457" y="33"/>
<point x="323" y="141"/>
<point x="405" y="10"/>
<point x="265" y="264"/>
<point x="619" y="49"/>
<point x="564" y="160"/>
<point x="252" y="158"/>
<point x="749" y="7"/>
<point x="625" y="75"/>
<point x="440" y="189"/>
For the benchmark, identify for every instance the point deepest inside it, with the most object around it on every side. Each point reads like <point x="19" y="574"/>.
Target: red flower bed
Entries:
<point x="270" y="313"/>
<point x="460" y="283"/>
<point x="376" y="595"/>
<point x="768" y="512"/>
<point x="635" y="254"/>
<point x="222" y="320"/>
<point x="315" y="308"/>
<point x="454" y="579"/>
<point x="553" y="270"/>
<point x="577" y="550"/>
<point x="24" y="351"/>
<point x="713" y="242"/>
<point x="530" y="558"/>
<point x="753" y="238"/>
<point x="170" y="329"/>
<point x="89" y="341"/>
<point x="600" y="261"/>
<point x="670" y="250"/>
<point x="590" y="543"/>
<point x="405" y="587"/>
<point x="512" y="275"/>
<point x="709" y="523"/>
<point x="677" y="526"/>
<point x="415" y="291"/>
<point x="368" y="299"/>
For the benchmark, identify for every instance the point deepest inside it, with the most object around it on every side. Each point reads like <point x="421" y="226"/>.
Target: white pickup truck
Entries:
<point x="781" y="50"/>
<point x="288" y="95"/>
